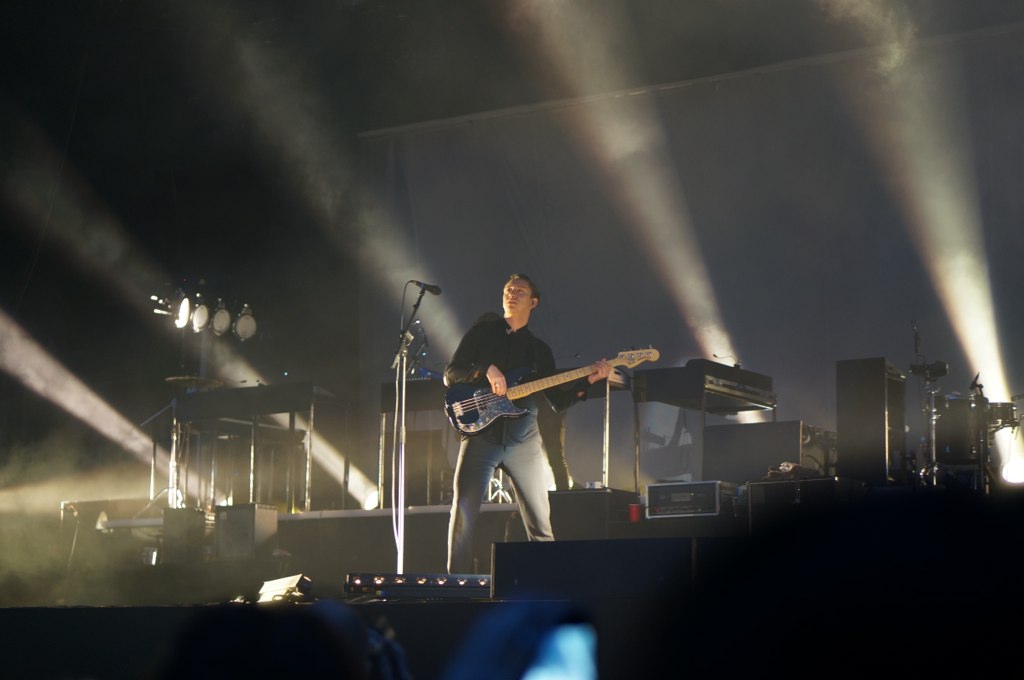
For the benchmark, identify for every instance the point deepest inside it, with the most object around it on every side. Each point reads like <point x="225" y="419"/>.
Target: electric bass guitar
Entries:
<point x="472" y="407"/>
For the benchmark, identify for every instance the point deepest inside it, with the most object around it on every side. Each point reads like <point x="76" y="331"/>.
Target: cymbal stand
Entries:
<point x="982" y="436"/>
<point x="930" y="372"/>
<point x="932" y="467"/>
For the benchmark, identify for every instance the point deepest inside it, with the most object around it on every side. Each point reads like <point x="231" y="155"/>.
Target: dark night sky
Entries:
<point x="133" y="103"/>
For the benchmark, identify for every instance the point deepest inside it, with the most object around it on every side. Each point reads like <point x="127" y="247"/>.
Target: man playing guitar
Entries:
<point x="495" y="353"/>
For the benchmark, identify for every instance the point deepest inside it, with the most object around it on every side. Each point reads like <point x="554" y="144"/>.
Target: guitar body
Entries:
<point x="472" y="407"/>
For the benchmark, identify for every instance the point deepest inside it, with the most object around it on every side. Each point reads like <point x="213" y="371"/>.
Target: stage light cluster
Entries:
<point x="194" y="312"/>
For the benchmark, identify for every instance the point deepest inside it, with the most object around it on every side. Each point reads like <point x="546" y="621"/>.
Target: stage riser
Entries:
<point x="113" y="568"/>
<point x="116" y="567"/>
<point x="635" y="569"/>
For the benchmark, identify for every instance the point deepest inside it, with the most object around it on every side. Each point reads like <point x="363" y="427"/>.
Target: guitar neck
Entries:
<point x="526" y="389"/>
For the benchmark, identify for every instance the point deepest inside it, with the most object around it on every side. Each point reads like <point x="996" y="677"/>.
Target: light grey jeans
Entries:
<point x="515" y="445"/>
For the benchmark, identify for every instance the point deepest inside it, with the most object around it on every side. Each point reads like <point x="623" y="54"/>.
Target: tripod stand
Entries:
<point x="496" y="491"/>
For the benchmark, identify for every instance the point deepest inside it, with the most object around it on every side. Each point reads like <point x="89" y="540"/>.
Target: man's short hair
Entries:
<point x="534" y="291"/>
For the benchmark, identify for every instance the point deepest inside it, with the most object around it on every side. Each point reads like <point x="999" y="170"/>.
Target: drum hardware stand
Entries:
<point x="496" y="491"/>
<point x="982" y="436"/>
<point x="931" y="373"/>
<point x="932" y="461"/>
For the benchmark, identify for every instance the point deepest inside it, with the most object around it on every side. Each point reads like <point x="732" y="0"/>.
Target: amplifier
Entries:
<point x="246" y="532"/>
<point x="687" y="499"/>
<point x="583" y="514"/>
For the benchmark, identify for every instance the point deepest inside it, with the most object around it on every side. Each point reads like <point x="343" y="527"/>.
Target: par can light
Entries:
<point x="245" y="324"/>
<point x="221" y="321"/>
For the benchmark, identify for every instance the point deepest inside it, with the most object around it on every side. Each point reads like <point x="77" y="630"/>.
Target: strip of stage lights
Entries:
<point x="471" y="586"/>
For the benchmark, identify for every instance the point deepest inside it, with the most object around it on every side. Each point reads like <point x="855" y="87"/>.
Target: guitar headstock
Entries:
<point x="635" y="357"/>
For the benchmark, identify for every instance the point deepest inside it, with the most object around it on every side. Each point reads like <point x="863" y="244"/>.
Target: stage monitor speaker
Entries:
<point x="581" y="514"/>
<point x="246" y="532"/>
<point x="870" y="421"/>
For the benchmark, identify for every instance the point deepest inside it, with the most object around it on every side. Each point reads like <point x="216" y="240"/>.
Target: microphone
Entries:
<point x="433" y="290"/>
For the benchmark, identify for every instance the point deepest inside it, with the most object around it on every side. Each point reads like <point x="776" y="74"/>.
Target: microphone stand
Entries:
<point x="399" y="365"/>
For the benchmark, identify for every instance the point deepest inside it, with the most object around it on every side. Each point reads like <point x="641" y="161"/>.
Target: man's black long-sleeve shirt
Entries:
<point x="491" y="341"/>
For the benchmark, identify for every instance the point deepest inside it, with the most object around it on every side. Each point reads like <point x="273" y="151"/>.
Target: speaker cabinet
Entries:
<point x="582" y="514"/>
<point x="870" y="421"/>
<point x="245" y="532"/>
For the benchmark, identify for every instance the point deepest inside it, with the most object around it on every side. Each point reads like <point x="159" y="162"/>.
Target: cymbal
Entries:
<point x="193" y="381"/>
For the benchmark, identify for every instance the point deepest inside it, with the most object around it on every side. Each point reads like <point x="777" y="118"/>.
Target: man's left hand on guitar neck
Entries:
<point x="602" y="369"/>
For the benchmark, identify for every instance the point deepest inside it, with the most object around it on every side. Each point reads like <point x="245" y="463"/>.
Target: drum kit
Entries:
<point x="961" y="429"/>
<point x="961" y="432"/>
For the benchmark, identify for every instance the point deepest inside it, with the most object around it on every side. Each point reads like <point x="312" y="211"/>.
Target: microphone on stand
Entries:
<point x="432" y="289"/>
<point x="917" y="339"/>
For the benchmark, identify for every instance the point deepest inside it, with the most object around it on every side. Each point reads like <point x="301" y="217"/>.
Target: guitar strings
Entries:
<point x="478" y="401"/>
<point x="481" y="400"/>
<point x="484" y="399"/>
<point x="487" y="398"/>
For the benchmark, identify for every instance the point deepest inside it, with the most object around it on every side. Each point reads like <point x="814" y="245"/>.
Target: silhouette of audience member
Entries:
<point x="910" y="582"/>
<point x="523" y="639"/>
<point x="324" y="639"/>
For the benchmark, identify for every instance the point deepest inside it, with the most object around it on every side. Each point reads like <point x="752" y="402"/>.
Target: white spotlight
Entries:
<point x="221" y="321"/>
<point x="184" y="312"/>
<point x="245" y="324"/>
<point x="200" y="317"/>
